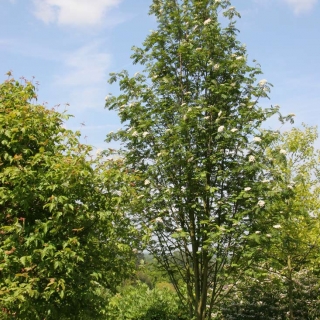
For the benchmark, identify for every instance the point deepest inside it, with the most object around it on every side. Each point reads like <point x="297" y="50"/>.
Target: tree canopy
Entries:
<point x="64" y="241"/>
<point x="194" y="133"/>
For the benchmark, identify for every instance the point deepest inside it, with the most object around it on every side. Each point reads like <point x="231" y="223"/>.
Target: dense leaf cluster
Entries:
<point x="63" y="238"/>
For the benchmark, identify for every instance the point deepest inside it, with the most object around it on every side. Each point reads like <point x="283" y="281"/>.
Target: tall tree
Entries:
<point x="193" y="132"/>
<point x="63" y="239"/>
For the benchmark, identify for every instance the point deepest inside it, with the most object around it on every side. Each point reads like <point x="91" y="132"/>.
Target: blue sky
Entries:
<point x="70" y="46"/>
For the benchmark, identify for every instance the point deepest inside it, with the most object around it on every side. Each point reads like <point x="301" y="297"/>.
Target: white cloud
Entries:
<point x="301" y="6"/>
<point x="86" y="66"/>
<point x="298" y="6"/>
<point x="73" y="12"/>
<point x="84" y="79"/>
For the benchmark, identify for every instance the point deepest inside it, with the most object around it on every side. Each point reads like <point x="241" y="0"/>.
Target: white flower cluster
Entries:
<point x="262" y="83"/>
<point x="252" y="159"/>
<point x="261" y="203"/>
<point x="207" y="21"/>
<point x="257" y="139"/>
<point x="158" y="220"/>
<point x="221" y="128"/>
<point x="247" y="189"/>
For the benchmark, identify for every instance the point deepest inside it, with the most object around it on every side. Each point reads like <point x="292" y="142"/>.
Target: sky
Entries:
<point x="71" y="46"/>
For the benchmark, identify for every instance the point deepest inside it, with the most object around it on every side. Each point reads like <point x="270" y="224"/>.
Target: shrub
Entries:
<point x="140" y="303"/>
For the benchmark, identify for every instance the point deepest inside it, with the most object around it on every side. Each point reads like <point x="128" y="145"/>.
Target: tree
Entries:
<point x="285" y="282"/>
<point x="193" y="133"/>
<point x="64" y="242"/>
<point x="294" y="242"/>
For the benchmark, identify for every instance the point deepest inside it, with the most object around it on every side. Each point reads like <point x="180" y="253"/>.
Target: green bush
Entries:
<point x="266" y="298"/>
<point x="140" y="303"/>
<point x="64" y="234"/>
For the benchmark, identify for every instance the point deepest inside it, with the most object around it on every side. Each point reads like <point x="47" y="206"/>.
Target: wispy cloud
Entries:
<point x="86" y="66"/>
<point x="78" y="13"/>
<point x="85" y="75"/>
<point x="301" y="6"/>
<point x="6" y="42"/>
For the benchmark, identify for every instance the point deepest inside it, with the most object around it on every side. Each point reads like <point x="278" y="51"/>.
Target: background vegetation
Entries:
<point x="203" y="213"/>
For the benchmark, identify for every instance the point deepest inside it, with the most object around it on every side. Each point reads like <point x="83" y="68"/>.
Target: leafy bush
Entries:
<point x="265" y="297"/>
<point x="63" y="236"/>
<point x="140" y="303"/>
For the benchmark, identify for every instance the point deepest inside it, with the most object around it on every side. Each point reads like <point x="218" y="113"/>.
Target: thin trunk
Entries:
<point x="290" y="289"/>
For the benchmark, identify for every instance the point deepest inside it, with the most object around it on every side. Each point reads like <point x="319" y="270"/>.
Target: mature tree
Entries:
<point x="193" y="132"/>
<point x="63" y="239"/>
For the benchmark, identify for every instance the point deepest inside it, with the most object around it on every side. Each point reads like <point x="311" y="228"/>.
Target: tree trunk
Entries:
<point x="290" y="289"/>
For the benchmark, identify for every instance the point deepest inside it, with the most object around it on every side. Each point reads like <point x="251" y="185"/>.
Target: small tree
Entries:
<point x="284" y="283"/>
<point x="294" y="242"/>
<point x="63" y="239"/>
<point x="194" y="135"/>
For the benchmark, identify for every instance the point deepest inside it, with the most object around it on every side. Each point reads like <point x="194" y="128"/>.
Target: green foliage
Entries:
<point x="63" y="239"/>
<point x="293" y="244"/>
<point x="265" y="297"/>
<point x="141" y="303"/>
<point x="193" y="136"/>
<point x="149" y="272"/>
<point x="285" y="284"/>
